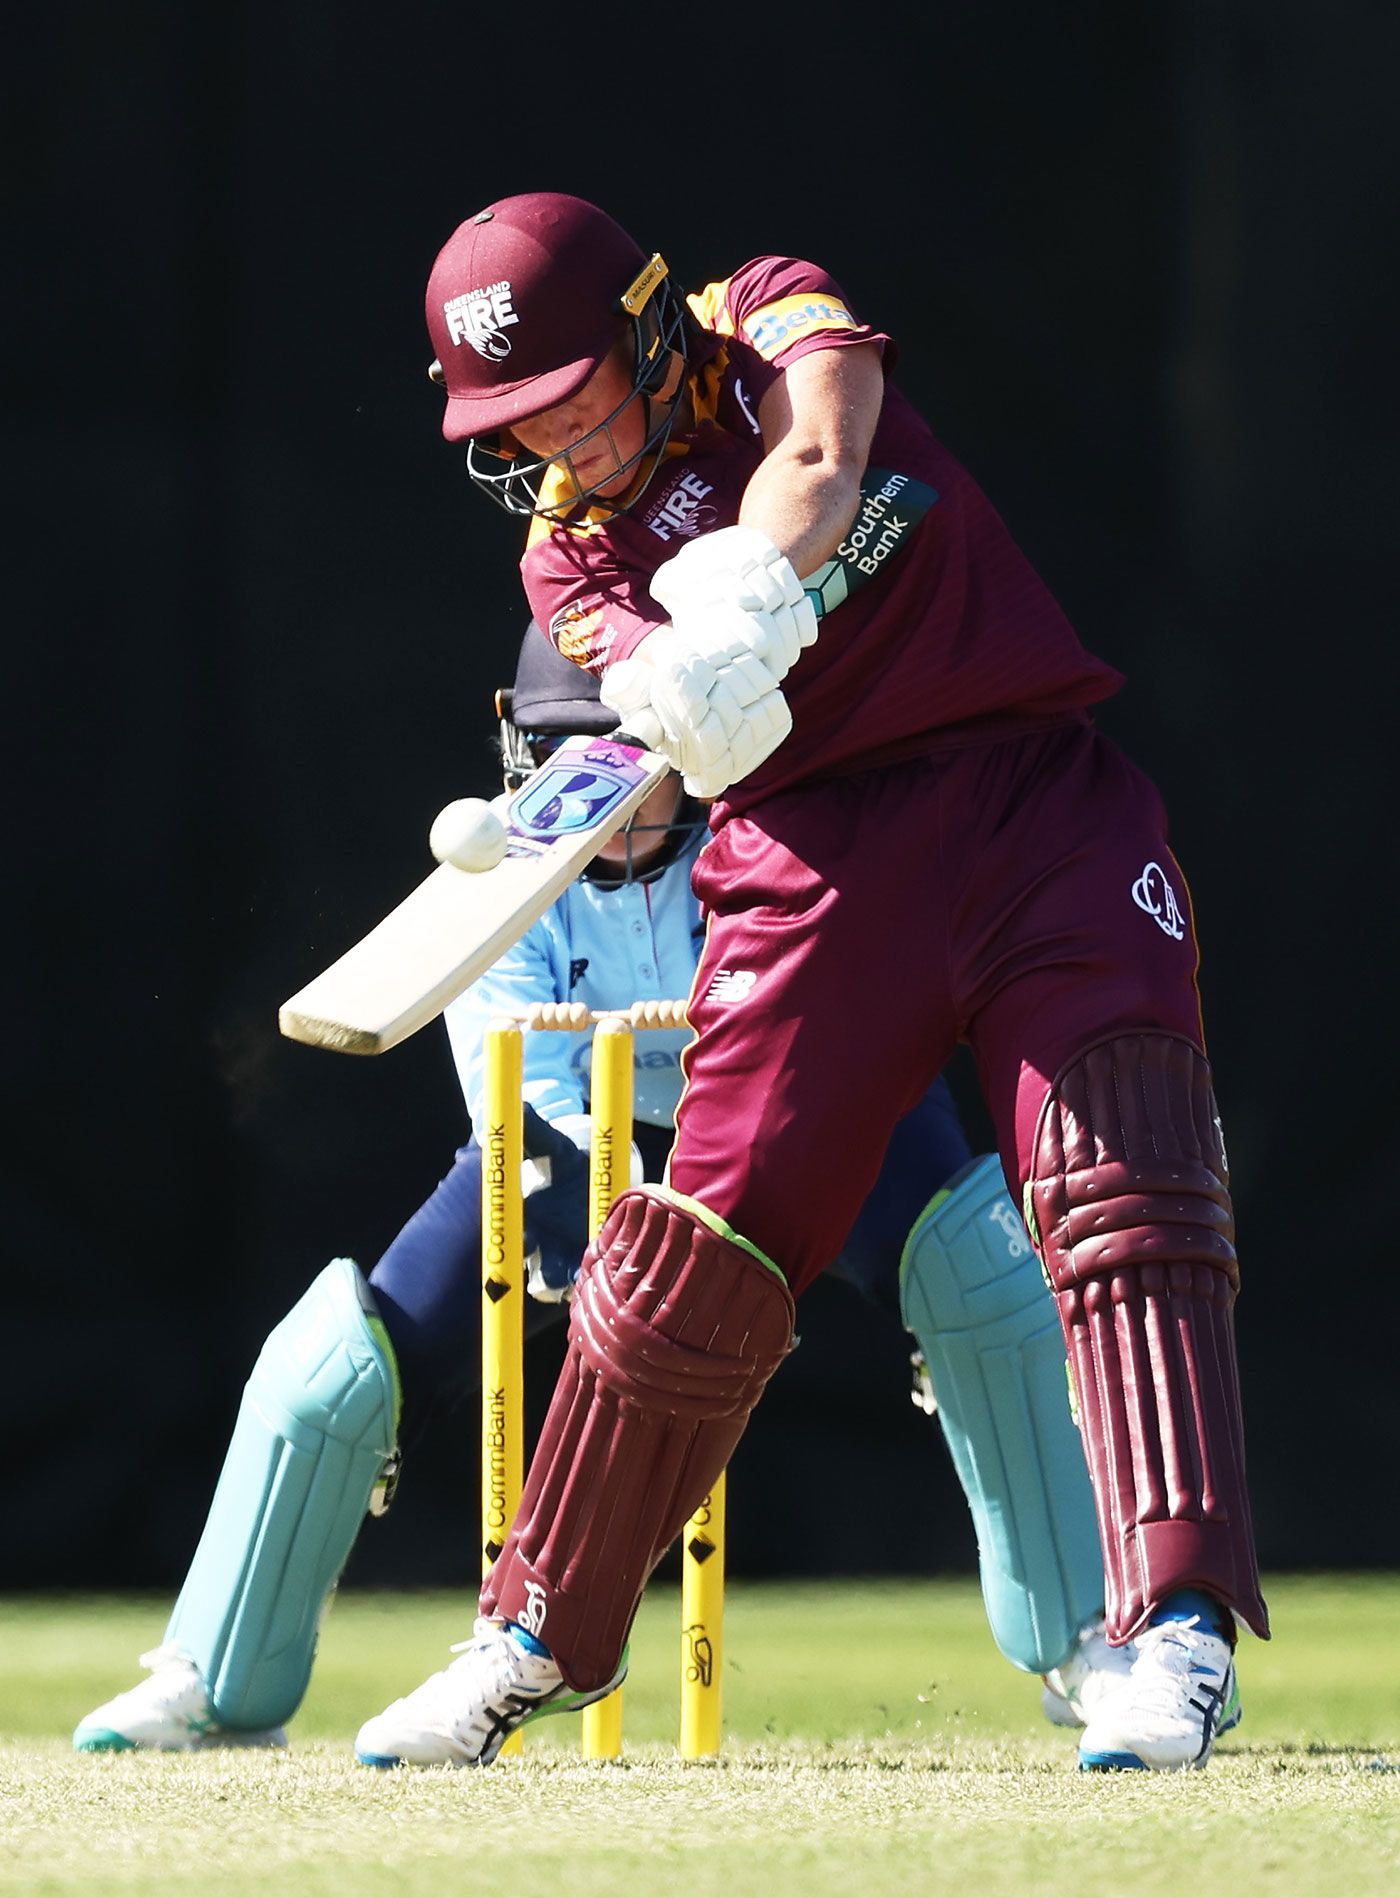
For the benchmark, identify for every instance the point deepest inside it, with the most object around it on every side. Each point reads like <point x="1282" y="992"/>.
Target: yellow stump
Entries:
<point x="609" y="1172"/>
<point x="702" y="1628"/>
<point x="502" y="1295"/>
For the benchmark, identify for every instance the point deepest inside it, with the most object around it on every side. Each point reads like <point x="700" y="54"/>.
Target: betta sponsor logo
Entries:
<point x="481" y="318"/>
<point x="683" y="510"/>
<point x="778" y="325"/>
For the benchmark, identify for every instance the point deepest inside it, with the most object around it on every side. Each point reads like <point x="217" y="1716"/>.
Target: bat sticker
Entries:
<point x="574" y="792"/>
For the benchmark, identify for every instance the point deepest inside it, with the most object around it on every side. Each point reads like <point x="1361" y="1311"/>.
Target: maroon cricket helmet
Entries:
<point x="523" y="304"/>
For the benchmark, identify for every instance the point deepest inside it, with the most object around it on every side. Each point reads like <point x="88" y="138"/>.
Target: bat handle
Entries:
<point x="644" y="728"/>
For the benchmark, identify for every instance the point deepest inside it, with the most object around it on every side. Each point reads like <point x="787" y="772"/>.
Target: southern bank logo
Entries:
<point x="481" y="318"/>
<point x="684" y="511"/>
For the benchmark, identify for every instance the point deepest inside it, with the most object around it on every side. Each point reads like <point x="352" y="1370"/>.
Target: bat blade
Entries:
<point x="456" y="923"/>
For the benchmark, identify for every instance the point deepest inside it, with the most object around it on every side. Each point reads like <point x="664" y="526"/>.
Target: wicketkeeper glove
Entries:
<point x="554" y="1181"/>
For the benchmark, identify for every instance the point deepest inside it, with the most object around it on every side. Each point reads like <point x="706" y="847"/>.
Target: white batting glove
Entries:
<point x="718" y="703"/>
<point x="740" y="567"/>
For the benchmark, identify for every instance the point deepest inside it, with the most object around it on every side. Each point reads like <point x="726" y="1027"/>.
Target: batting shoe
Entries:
<point x="1181" y="1694"/>
<point x="503" y="1678"/>
<point x="168" y="1712"/>
<point x="1079" y="1685"/>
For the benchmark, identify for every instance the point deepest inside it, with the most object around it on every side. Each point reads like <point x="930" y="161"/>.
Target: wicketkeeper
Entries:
<point x="739" y="523"/>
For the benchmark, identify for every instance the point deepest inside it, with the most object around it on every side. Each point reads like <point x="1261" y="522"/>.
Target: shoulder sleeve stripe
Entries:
<point x="789" y="320"/>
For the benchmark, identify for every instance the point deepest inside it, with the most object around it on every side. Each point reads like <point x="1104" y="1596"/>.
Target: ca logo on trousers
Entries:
<point x="1153" y="893"/>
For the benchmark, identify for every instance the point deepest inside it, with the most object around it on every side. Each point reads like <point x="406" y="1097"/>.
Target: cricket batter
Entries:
<point x="742" y="527"/>
<point x="360" y="1367"/>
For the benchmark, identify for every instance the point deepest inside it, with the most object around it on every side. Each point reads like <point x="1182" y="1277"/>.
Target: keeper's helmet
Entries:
<point x="525" y="301"/>
<point x="553" y="699"/>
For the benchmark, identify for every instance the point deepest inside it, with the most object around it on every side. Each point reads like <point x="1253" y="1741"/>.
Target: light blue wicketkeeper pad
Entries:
<point x="317" y="1425"/>
<point x="972" y="1293"/>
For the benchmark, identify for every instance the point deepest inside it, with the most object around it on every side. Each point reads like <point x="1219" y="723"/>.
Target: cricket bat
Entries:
<point x="450" y="930"/>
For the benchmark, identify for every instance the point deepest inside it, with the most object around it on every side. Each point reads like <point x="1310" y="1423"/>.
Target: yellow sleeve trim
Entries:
<point x="778" y="325"/>
<point x="710" y="308"/>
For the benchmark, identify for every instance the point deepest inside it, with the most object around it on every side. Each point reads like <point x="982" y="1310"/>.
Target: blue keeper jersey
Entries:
<point x="608" y="948"/>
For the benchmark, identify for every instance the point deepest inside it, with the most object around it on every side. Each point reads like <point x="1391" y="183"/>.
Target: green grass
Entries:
<point x="875" y="1742"/>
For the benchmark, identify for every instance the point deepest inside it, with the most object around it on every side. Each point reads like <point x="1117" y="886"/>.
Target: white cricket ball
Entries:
<point x="468" y="834"/>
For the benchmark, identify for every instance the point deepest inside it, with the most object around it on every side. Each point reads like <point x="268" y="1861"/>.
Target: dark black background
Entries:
<point x="1133" y="259"/>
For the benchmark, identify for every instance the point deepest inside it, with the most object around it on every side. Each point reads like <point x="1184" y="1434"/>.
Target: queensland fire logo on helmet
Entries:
<point x="481" y="318"/>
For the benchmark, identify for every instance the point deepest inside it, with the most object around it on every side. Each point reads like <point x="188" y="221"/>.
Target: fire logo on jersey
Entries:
<point x="481" y="318"/>
<point x="683" y="510"/>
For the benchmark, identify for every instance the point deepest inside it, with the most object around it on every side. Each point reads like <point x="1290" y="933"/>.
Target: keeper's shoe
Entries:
<point x="501" y="1680"/>
<point x="1180" y="1695"/>
<point x="168" y="1712"/>
<point x="1081" y="1684"/>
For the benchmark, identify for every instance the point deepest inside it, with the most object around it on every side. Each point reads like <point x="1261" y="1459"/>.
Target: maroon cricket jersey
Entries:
<point x="937" y="629"/>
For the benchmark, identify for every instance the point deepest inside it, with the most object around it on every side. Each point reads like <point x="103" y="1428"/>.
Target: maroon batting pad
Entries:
<point x="1130" y="1194"/>
<point x="673" y="1333"/>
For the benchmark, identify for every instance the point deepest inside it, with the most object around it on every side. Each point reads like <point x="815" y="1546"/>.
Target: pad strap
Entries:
<point x="1129" y="1203"/>
<point x="673" y="1333"/>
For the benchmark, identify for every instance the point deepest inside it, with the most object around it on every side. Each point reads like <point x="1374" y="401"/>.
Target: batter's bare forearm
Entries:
<point x="818" y="422"/>
<point x="805" y="510"/>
